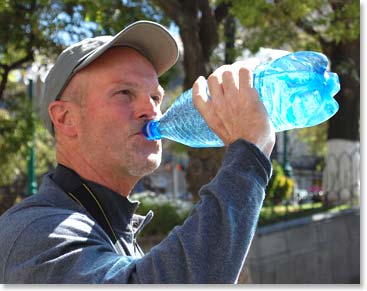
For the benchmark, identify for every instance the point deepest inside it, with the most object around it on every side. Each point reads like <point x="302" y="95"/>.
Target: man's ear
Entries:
<point x="62" y="117"/>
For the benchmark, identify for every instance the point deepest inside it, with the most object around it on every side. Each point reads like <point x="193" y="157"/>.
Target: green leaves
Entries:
<point x="315" y="137"/>
<point x="16" y="117"/>
<point x="300" y="24"/>
<point x="345" y="22"/>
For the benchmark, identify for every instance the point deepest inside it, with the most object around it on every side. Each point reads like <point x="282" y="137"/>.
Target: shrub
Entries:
<point x="167" y="213"/>
<point x="280" y="186"/>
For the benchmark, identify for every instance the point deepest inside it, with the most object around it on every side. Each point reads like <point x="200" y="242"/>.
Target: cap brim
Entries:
<point x="151" y="39"/>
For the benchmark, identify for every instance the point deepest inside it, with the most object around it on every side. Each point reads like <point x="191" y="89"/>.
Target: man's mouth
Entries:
<point x="136" y="131"/>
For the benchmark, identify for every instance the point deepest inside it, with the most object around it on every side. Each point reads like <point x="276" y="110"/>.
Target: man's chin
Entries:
<point x="146" y="165"/>
<point x="145" y="158"/>
<point x="153" y="163"/>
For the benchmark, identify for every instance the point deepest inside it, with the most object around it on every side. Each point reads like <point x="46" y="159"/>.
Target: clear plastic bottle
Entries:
<point x="296" y="90"/>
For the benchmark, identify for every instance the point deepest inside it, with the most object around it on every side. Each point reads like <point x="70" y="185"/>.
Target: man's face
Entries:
<point x="122" y="93"/>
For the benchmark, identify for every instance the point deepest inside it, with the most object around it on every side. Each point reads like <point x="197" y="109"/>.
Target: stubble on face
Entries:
<point x="124" y="151"/>
<point x="138" y="157"/>
<point x="141" y="160"/>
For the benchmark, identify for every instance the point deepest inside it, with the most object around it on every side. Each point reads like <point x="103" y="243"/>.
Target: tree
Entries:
<point x="16" y="119"/>
<point x="34" y="28"/>
<point x="29" y="26"/>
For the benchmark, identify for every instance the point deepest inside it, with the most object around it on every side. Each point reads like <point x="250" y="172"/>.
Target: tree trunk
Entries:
<point x="197" y="22"/>
<point x="345" y="60"/>
<point x="341" y="182"/>
<point x="194" y="63"/>
<point x="6" y="69"/>
<point x="204" y="163"/>
<point x="230" y="37"/>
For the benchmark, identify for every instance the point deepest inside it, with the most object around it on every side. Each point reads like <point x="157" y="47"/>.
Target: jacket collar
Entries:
<point x="119" y="209"/>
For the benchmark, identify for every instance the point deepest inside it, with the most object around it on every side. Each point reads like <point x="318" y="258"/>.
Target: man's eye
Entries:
<point x="157" y="99"/>
<point x="125" y="92"/>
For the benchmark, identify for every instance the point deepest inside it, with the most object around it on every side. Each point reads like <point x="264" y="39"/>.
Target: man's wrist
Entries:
<point x="243" y="154"/>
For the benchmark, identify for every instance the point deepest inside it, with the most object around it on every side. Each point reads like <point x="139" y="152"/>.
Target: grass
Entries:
<point x="278" y="213"/>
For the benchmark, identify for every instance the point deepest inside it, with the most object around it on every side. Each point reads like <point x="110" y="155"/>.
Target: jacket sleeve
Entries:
<point x="212" y="244"/>
<point x="210" y="247"/>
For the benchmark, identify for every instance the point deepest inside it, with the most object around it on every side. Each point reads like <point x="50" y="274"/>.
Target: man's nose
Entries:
<point x="148" y="109"/>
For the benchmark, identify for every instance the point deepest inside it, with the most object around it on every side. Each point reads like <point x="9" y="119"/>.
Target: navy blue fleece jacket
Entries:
<point x="48" y="238"/>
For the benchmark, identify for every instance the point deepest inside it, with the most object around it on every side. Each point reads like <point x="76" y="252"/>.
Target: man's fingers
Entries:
<point x="199" y="93"/>
<point x="245" y="79"/>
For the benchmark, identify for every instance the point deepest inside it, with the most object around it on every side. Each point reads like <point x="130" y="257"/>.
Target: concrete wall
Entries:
<point x="323" y="248"/>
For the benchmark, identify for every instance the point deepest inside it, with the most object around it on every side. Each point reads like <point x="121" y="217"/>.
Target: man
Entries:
<point x="81" y="226"/>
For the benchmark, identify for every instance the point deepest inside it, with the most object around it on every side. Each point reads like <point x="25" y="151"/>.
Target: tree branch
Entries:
<point x="170" y="7"/>
<point x="4" y="79"/>
<point x="221" y="11"/>
<point x="7" y="68"/>
<point x="208" y="29"/>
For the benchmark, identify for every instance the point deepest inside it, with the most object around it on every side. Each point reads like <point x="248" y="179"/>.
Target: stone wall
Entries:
<point x="323" y="248"/>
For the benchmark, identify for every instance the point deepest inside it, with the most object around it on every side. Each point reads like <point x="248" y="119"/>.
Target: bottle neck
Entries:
<point x="151" y="130"/>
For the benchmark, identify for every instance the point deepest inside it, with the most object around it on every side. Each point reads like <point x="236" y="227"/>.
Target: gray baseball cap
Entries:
<point x="149" y="38"/>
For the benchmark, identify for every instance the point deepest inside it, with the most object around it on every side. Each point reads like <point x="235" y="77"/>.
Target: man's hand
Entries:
<point x="234" y="110"/>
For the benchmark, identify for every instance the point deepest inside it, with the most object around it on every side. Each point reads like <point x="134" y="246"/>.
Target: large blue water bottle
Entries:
<point x="296" y="90"/>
